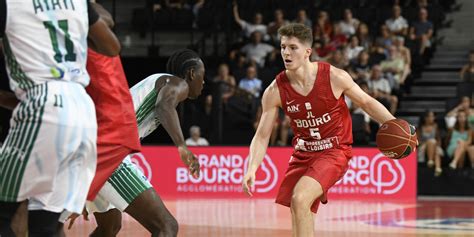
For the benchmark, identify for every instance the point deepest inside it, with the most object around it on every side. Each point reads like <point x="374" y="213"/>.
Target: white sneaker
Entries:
<point x="430" y="163"/>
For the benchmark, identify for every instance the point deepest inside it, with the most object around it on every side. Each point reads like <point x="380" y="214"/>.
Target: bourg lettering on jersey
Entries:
<point x="311" y="121"/>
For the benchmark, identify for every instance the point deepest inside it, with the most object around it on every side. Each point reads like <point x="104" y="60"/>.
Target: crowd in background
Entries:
<point x="383" y="45"/>
<point x="382" y="58"/>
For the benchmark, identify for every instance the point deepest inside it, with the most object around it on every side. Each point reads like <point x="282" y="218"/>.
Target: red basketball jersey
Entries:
<point x="117" y="124"/>
<point x="319" y="120"/>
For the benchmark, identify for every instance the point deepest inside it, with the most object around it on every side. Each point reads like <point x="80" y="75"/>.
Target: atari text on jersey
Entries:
<point x="52" y="5"/>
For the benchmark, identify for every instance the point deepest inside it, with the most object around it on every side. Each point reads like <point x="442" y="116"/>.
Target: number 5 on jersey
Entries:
<point x="63" y="25"/>
<point x="314" y="132"/>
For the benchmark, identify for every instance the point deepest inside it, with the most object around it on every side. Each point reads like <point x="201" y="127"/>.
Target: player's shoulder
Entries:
<point x="340" y="78"/>
<point x="161" y="80"/>
<point x="272" y="93"/>
<point x="171" y="79"/>
<point x="337" y="73"/>
<point x="273" y="87"/>
<point x="167" y="78"/>
<point x="170" y="86"/>
<point x="175" y="82"/>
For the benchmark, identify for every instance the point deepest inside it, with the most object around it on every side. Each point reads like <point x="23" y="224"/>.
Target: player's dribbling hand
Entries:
<point x="248" y="182"/>
<point x="190" y="161"/>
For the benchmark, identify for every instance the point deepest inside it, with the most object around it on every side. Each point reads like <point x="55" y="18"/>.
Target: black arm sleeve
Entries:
<point x="93" y="16"/>
<point x="3" y="16"/>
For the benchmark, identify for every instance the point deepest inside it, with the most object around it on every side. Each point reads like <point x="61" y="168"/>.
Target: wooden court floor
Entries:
<point x="251" y="217"/>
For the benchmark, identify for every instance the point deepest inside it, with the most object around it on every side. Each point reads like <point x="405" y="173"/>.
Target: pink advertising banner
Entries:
<point x="371" y="175"/>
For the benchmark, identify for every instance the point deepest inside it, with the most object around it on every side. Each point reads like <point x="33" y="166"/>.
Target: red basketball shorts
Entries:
<point x="326" y="167"/>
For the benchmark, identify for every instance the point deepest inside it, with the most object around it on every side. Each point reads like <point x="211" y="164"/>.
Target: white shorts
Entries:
<point x="50" y="154"/>
<point x="123" y="186"/>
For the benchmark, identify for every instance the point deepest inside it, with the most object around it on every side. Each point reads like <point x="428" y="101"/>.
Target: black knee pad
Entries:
<point x="7" y="211"/>
<point x="43" y="223"/>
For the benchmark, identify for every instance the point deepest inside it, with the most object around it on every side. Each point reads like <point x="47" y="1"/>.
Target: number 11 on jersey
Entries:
<point x="63" y="24"/>
<point x="58" y="100"/>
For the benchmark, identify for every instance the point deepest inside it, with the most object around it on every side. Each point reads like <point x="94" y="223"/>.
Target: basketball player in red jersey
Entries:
<point x="117" y="137"/>
<point x="117" y="128"/>
<point x="312" y="95"/>
<point x="117" y="134"/>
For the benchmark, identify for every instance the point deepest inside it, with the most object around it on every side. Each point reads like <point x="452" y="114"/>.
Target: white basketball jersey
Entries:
<point x="144" y="100"/>
<point x="45" y="40"/>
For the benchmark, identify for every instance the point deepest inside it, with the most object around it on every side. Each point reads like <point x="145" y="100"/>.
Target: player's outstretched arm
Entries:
<point x="342" y="83"/>
<point x="259" y="144"/>
<point x="171" y="93"/>
<point x="8" y="100"/>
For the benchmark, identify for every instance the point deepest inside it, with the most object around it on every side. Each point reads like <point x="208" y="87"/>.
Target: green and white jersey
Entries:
<point x="144" y="100"/>
<point x="45" y="40"/>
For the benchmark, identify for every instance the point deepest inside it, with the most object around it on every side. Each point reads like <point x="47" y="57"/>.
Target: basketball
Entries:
<point x="396" y="139"/>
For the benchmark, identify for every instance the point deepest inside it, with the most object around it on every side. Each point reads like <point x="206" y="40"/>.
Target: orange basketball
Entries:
<point x="396" y="139"/>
